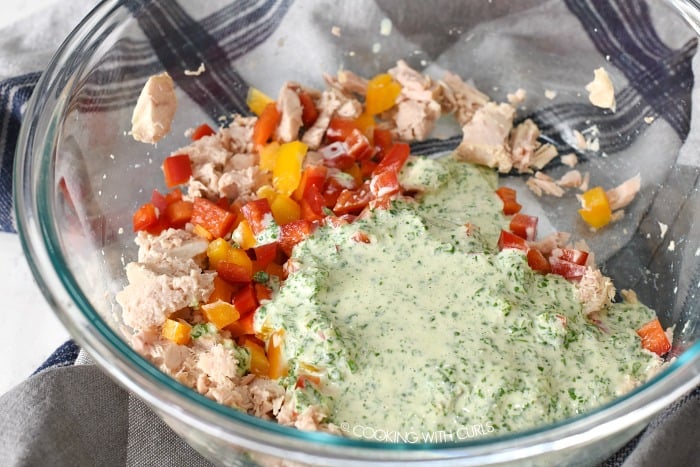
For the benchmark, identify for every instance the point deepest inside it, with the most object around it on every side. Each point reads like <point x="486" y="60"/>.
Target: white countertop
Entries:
<point x="31" y="331"/>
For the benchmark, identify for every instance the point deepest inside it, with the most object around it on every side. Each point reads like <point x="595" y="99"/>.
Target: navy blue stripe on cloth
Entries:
<point x="626" y="37"/>
<point x="14" y="94"/>
<point x="180" y="43"/>
<point x="65" y="355"/>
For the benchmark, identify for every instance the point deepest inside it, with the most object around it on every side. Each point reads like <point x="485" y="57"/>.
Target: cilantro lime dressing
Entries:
<point x="426" y="328"/>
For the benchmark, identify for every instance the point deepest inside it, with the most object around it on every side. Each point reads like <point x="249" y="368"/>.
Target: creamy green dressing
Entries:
<point x="429" y="329"/>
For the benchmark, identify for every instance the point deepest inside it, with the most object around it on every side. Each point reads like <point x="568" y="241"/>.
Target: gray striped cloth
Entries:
<point x="70" y="413"/>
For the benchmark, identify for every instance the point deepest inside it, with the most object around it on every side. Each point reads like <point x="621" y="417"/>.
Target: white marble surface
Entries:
<point x="31" y="330"/>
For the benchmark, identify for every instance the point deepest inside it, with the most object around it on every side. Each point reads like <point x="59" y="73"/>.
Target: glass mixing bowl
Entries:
<point x="79" y="176"/>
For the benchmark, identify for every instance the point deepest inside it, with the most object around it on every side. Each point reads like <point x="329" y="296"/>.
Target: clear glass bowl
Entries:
<point x="74" y="141"/>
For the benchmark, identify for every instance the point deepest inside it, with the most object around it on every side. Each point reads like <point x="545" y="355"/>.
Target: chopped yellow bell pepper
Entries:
<point x="285" y="209"/>
<point x="220" y="250"/>
<point x="382" y="92"/>
<point x="177" y="331"/>
<point x="278" y="365"/>
<point x="220" y="313"/>
<point x="287" y="172"/>
<point x="267" y="192"/>
<point x="259" y="365"/>
<point x="257" y="100"/>
<point x="243" y="235"/>
<point x="365" y="122"/>
<point x="268" y="156"/>
<point x="595" y="207"/>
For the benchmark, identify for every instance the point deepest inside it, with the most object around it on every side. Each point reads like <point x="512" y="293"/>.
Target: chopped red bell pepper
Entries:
<point x="145" y="217"/>
<point x="508" y="240"/>
<point x="242" y="327"/>
<point x="571" y="254"/>
<point x="262" y="292"/>
<point x="179" y="213"/>
<point x="336" y="155"/>
<point x="654" y="338"/>
<point x="201" y="131"/>
<point x="177" y="170"/>
<point x="537" y="261"/>
<point x="266" y="124"/>
<point x="394" y="159"/>
<point x="258" y="214"/>
<point x="353" y="201"/>
<point x="509" y="198"/>
<point x="312" y="175"/>
<point x="294" y="232"/>
<point x="233" y="273"/>
<point x="265" y="254"/>
<point x="358" y="146"/>
<point x="567" y="269"/>
<point x="312" y="204"/>
<point x="309" y="112"/>
<point x="384" y="184"/>
<point x="173" y="195"/>
<point x="217" y="221"/>
<point x="524" y="226"/>
<point x="382" y="140"/>
<point x="339" y="129"/>
<point x="245" y="300"/>
<point x="158" y="200"/>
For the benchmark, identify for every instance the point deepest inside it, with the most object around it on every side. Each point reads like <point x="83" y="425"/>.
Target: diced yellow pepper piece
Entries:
<point x="595" y="207"/>
<point x="268" y="156"/>
<point x="287" y="172"/>
<point x="257" y="100"/>
<point x="267" y="192"/>
<point x="365" y="122"/>
<point x="202" y="232"/>
<point x="243" y="235"/>
<point x="259" y="365"/>
<point x="285" y="209"/>
<point x="177" y="331"/>
<point x="382" y="92"/>
<point x="220" y="250"/>
<point x="220" y="313"/>
<point x="278" y="365"/>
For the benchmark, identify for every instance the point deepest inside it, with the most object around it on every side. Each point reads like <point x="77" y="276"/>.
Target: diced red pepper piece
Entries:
<point x="312" y="204"/>
<point x="508" y="240"/>
<point x="384" y="184"/>
<point x="567" y="269"/>
<point x="339" y="129"/>
<point x="242" y="327"/>
<point x="159" y="226"/>
<point x="571" y="254"/>
<point x="524" y="226"/>
<point x="331" y="191"/>
<point x="309" y="112"/>
<point x="367" y="166"/>
<point x="245" y="300"/>
<point x="158" y="200"/>
<point x="358" y="146"/>
<point x="217" y="221"/>
<point x="233" y="273"/>
<point x="313" y="175"/>
<point x="146" y="216"/>
<point x="262" y="292"/>
<point x="509" y="198"/>
<point x="258" y="214"/>
<point x="266" y="124"/>
<point x="265" y="254"/>
<point x="537" y="261"/>
<point x="201" y="131"/>
<point x="382" y="140"/>
<point x="654" y="338"/>
<point x="294" y="232"/>
<point x="394" y="159"/>
<point x="177" y="170"/>
<point x="173" y="195"/>
<point x="179" y="213"/>
<point x="336" y="155"/>
<point x="353" y="201"/>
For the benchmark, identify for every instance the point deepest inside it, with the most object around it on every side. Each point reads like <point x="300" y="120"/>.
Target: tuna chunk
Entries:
<point x="347" y="82"/>
<point x="623" y="194"/>
<point x="600" y="91"/>
<point x="485" y="137"/>
<point x="289" y="106"/>
<point x="330" y="101"/>
<point x="523" y="142"/>
<point x="571" y="179"/>
<point x="542" y="183"/>
<point x="155" y="109"/>
<point x="461" y="98"/>
<point x="595" y="291"/>
<point x="417" y="107"/>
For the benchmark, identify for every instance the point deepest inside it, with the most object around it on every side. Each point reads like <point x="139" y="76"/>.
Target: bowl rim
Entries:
<point x="40" y="238"/>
